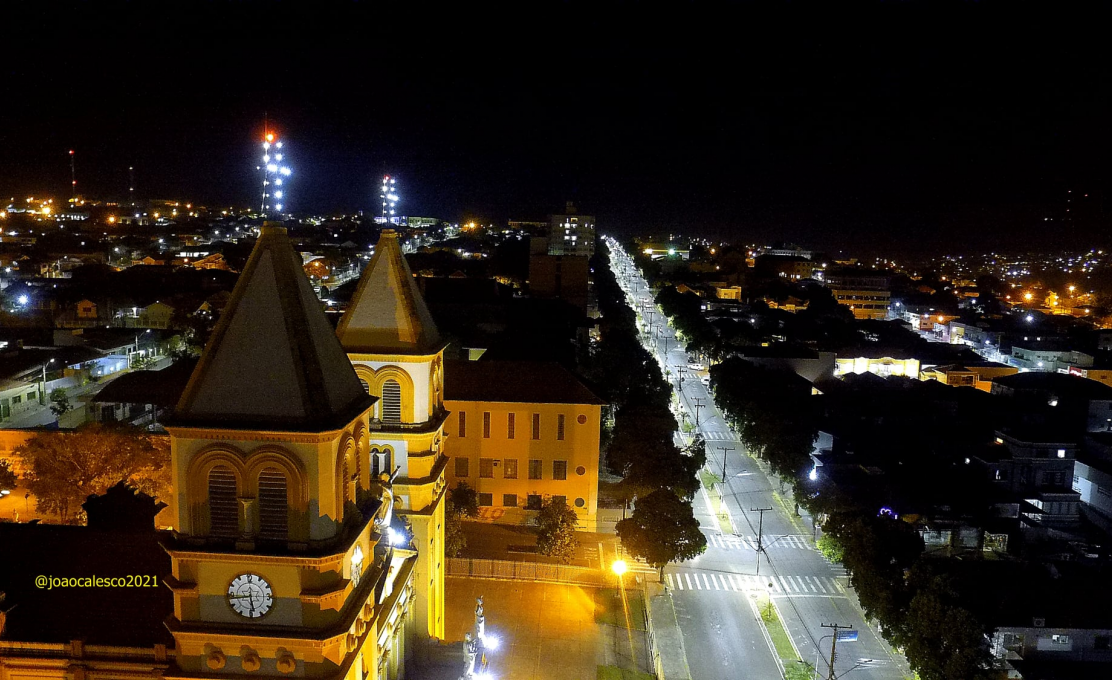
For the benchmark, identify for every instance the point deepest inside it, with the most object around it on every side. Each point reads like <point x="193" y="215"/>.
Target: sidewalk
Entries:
<point x="669" y="655"/>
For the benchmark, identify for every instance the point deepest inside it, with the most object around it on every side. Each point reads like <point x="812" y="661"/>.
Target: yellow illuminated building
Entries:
<point x="281" y="563"/>
<point x="391" y="340"/>
<point x="882" y="366"/>
<point x="523" y="433"/>
<point x="864" y="303"/>
<point x="289" y="557"/>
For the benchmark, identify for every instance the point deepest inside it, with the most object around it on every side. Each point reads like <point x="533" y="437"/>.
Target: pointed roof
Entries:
<point x="273" y="362"/>
<point x="387" y="314"/>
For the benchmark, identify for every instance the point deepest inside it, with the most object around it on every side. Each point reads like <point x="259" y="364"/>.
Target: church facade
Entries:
<point x="308" y="483"/>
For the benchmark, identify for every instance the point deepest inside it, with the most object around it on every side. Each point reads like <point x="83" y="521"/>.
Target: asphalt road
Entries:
<point x="721" y="633"/>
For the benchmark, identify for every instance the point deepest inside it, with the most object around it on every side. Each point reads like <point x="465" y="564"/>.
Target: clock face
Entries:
<point x="250" y="596"/>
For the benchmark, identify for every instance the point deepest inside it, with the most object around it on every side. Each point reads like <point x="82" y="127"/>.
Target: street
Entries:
<point x="709" y="591"/>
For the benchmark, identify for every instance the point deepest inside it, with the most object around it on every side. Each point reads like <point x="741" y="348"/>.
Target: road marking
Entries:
<point x="787" y="585"/>
<point x="705" y="581"/>
<point x="689" y="586"/>
<point x="821" y="586"/>
<point x="668" y="577"/>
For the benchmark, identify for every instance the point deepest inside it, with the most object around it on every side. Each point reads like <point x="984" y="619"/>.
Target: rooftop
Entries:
<point x="541" y="382"/>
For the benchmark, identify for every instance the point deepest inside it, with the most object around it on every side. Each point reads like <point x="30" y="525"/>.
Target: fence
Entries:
<point x="530" y="571"/>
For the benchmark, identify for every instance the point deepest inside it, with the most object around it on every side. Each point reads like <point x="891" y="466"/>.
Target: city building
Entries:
<point x="791" y="267"/>
<point x="571" y="233"/>
<point x="1047" y="355"/>
<point x="865" y="292"/>
<point x="523" y="433"/>
<point x="565" y="277"/>
<point x="398" y="355"/>
<point x="978" y="375"/>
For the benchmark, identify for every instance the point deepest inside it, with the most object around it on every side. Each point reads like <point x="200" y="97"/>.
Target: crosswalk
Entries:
<point x="784" y="586"/>
<point x="718" y="436"/>
<point x="730" y="542"/>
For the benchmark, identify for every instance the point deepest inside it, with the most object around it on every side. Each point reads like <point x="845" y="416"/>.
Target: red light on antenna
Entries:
<point x="71" y="152"/>
<point x="269" y="137"/>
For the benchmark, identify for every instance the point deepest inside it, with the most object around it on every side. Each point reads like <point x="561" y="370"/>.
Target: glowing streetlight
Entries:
<point x="1028" y="296"/>
<point x="619" y="567"/>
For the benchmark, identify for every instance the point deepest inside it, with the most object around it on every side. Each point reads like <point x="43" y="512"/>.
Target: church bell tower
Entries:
<point x="288" y="559"/>
<point x="391" y="340"/>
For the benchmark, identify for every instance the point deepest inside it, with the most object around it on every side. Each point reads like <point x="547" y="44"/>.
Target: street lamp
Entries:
<point x="42" y="393"/>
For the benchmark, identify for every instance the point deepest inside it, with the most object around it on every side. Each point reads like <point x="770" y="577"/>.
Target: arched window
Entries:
<point x="222" y="502"/>
<point x="348" y="488"/>
<point x="391" y="402"/>
<point x="273" y="504"/>
<point x="366" y="387"/>
<point x="380" y="462"/>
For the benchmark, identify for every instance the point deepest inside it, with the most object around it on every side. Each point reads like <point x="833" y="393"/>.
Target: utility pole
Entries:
<point x="760" y="535"/>
<point x="724" y="449"/>
<point x="698" y="405"/>
<point x="833" y="644"/>
<point x="73" y="179"/>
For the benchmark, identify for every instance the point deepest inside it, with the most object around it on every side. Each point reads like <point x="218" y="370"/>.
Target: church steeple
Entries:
<point x="273" y="361"/>
<point x="387" y="314"/>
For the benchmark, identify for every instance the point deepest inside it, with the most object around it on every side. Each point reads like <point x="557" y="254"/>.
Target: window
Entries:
<point x="486" y="468"/>
<point x="533" y="502"/>
<point x="17" y="400"/>
<point x="222" y="502"/>
<point x="273" y="506"/>
<point x="535" y="469"/>
<point x="509" y="468"/>
<point x="510" y="425"/>
<point x="391" y="402"/>
<point x="31" y="396"/>
<point x="461" y="467"/>
<point x="380" y="462"/>
<point x="509" y="500"/>
<point x="486" y="424"/>
<point x="1060" y="639"/>
<point x="486" y="500"/>
<point x="560" y="427"/>
<point x="536" y="426"/>
<point x="559" y="469"/>
<point x="559" y="501"/>
<point x="462" y="424"/>
<point x="356" y="566"/>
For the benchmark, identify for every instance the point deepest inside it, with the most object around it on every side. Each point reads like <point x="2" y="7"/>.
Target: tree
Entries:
<point x="454" y="538"/>
<point x="556" y="524"/>
<point x="65" y="468"/>
<point x="662" y="529"/>
<point x="462" y="502"/>
<point x="59" y="402"/>
<point x="943" y="640"/>
<point x="8" y="478"/>
<point x="465" y="499"/>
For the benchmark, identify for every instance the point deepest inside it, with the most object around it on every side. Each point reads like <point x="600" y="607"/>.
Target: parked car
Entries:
<point x="696" y="366"/>
<point x="705" y="380"/>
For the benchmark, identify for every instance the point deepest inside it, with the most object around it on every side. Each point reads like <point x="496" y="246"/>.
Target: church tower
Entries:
<point x="392" y="342"/>
<point x="284" y="558"/>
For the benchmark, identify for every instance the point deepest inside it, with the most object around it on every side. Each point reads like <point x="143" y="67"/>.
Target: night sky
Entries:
<point x="892" y="127"/>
